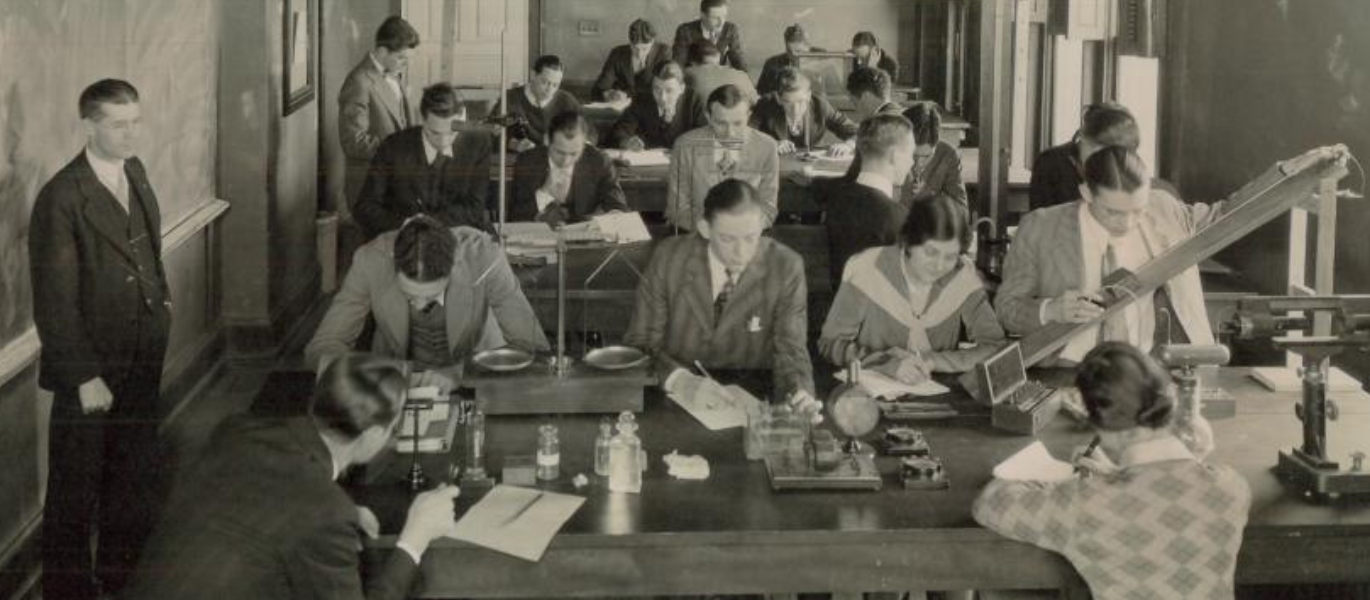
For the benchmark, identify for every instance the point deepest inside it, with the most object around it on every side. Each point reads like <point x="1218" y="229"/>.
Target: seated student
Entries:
<point x="798" y="118"/>
<point x="860" y="209"/>
<point x="1062" y="253"/>
<point x="432" y="291"/>
<point x="568" y="180"/>
<point x="628" y="70"/>
<point x="434" y="168"/>
<point x="796" y="43"/>
<point x="706" y="74"/>
<point x="713" y="27"/>
<point x="1153" y="521"/>
<point x="260" y="515"/>
<point x="727" y="297"/>
<point x="867" y="53"/>
<point x="657" y="119"/>
<point x="936" y="164"/>
<point x="1058" y="172"/>
<point x="726" y="149"/>
<point x="537" y="102"/>
<point x="901" y="308"/>
<point x="870" y="93"/>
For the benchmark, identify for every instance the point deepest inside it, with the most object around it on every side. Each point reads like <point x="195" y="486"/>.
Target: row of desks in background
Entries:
<point x="733" y="534"/>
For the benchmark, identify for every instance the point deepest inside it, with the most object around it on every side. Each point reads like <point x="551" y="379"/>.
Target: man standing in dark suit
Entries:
<point x="434" y="168"/>
<point x="711" y="26"/>
<point x="566" y="181"/>
<point x="656" y="120"/>
<point x="375" y="100"/>
<point x="259" y="516"/>
<point x="101" y="305"/>
<point x="628" y="70"/>
<point x="728" y="298"/>
<point x="861" y="211"/>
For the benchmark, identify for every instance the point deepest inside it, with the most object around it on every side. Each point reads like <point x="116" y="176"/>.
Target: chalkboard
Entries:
<point x="52" y="49"/>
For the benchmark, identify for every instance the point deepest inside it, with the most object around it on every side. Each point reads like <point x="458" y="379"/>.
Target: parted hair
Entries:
<point x="729" y="195"/>
<point x="641" y="31"/>
<point x="935" y="219"/>
<point x="926" y="121"/>
<point x="701" y="49"/>
<point x="568" y="123"/>
<point x="727" y="96"/>
<point x="548" y="61"/>
<point x="863" y="38"/>
<point x="669" y="70"/>
<point x="112" y="91"/>
<point x="425" y="249"/>
<point x="1110" y="124"/>
<point x="868" y="79"/>
<point x="442" y="100"/>
<point x="357" y="392"/>
<point x="396" y="34"/>
<point x="705" y="5"/>
<point x="879" y="133"/>
<point x="1115" y="168"/>
<point x="791" y="79"/>
<point x="1122" y="387"/>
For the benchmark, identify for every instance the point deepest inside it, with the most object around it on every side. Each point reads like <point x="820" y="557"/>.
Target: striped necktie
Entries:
<point x="724" y="294"/>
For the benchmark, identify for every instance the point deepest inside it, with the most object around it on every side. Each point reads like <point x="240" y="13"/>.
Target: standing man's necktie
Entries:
<point x="1115" y="326"/>
<point x="721" y="301"/>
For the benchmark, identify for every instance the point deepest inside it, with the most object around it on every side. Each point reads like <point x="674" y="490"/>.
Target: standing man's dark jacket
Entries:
<point x="259" y="516"/>
<point x="403" y="183"/>
<point x="729" y="43"/>
<point x="594" y="186"/>
<point x="857" y="217"/>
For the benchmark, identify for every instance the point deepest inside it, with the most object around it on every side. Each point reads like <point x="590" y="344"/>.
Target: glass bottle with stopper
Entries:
<point x="626" y="457"/>
<point x="549" y="453"/>
<point x="602" y="445"/>
<point x="473" y="418"/>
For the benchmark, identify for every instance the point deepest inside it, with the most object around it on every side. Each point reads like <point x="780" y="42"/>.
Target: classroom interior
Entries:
<point x="240" y="112"/>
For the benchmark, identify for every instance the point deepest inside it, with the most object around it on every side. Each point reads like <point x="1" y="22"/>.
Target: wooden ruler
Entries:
<point x="1288" y="184"/>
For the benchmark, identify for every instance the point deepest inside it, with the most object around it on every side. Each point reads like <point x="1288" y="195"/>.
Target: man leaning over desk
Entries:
<point x="726" y="298"/>
<point x="566" y="181"/>
<point x="726" y="149"/>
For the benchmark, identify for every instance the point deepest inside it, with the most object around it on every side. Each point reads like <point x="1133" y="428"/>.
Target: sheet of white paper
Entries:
<point x="651" y="157"/>
<point x="517" y="521"/>
<point x="1034" y="463"/>
<point x="623" y="227"/>
<point x="723" y="416"/>
<point x="619" y="106"/>
<point x="886" y="388"/>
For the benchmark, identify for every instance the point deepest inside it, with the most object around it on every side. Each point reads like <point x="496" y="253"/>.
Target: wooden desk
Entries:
<point x="732" y="534"/>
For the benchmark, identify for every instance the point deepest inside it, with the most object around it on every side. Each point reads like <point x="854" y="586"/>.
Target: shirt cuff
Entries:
<point x="543" y="199"/>
<point x="674" y="376"/>
<point x="413" y="553"/>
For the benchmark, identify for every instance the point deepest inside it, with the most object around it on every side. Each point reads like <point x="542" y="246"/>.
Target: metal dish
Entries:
<point x="616" y="358"/>
<point x="503" y="360"/>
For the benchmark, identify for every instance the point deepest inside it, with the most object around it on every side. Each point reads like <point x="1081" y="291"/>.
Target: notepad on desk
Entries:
<point x="1034" y="463"/>
<point x="720" y="416"/>
<point x="651" y="157"/>
<point x="886" y="388"/>
<point x="517" y="521"/>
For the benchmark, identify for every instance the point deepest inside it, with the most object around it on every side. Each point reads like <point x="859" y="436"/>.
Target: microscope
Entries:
<point x="1331" y="324"/>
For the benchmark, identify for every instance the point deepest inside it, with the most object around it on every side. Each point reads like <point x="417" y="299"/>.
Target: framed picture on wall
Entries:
<point x="299" y="49"/>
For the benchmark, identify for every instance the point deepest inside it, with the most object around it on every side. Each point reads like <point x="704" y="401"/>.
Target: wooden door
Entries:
<point x="461" y="43"/>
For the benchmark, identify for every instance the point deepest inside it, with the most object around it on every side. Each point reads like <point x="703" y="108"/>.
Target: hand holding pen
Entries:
<point x="1091" y="462"/>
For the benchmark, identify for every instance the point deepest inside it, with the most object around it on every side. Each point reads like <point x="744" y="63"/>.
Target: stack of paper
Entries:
<point x="517" y="521"/>
<point x="622" y="227"/>
<point x="886" y="388"/>
<point x="652" y="157"/>
<point x="1034" y="463"/>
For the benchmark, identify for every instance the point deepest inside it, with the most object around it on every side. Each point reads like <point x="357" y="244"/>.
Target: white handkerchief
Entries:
<point x="686" y="467"/>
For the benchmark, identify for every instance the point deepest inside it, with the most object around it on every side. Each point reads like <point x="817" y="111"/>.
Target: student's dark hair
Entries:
<point x="396" y="34"/>
<point x="669" y="70"/>
<point x="568" y="123"/>
<point x="935" y="219"/>
<point x="879" y="133"/>
<point x="926" y="121"/>
<point x="1123" y="388"/>
<point x="730" y="195"/>
<point x="699" y="50"/>
<point x="868" y="79"/>
<point x="641" y="31"/>
<point x="357" y="392"/>
<point x="791" y="79"/>
<point x="111" y="91"/>
<point x="727" y="96"/>
<point x="1110" y="124"/>
<point x="705" y="5"/>
<point x="425" y="249"/>
<point x="548" y="61"/>
<point x="796" y="33"/>
<point x="442" y="100"/>
<point x="863" y="38"/>
<point x="1115" y="168"/>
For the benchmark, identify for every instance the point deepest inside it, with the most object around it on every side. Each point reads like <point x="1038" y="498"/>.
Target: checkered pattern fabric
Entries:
<point x="1161" y="531"/>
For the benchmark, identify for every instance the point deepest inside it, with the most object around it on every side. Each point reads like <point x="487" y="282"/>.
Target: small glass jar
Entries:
<point x="549" y="453"/>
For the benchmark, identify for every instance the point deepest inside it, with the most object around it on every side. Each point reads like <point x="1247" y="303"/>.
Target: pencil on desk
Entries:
<point x="520" y="512"/>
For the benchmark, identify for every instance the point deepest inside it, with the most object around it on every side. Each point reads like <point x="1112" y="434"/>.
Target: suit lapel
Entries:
<point x="747" y="293"/>
<point x="459" y="302"/>
<point x="1070" y="260"/>
<point x="392" y="315"/>
<point x="102" y="210"/>
<point x="387" y="96"/>
<point x="699" y="290"/>
<point x="141" y="191"/>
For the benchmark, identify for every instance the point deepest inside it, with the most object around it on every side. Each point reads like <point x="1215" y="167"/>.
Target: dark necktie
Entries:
<point x="721" y="301"/>
<point x="1115" y="326"/>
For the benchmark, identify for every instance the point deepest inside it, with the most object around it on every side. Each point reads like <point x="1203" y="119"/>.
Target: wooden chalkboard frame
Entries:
<point x="298" y="17"/>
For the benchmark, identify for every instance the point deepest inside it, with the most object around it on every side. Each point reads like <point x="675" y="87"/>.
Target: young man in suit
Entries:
<point x="866" y="52"/>
<point x="706" y="73"/>
<point x="537" y="102"/>
<point x="1062" y="253"/>
<point x="434" y="168"/>
<point x="870" y="93"/>
<point x="260" y="514"/>
<point x="657" y="120"/>
<point x="726" y="149"/>
<point x="627" y="72"/>
<point x="103" y="312"/>
<point x="861" y="211"/>
<point x="566" y="181"/>
<point x="799" y="119"/>
<point x="796" y="42"/>
<point x="728" y="298"/>
<point x="437" y="295"/>
<point x="375" y="100"/>
<point x="712" y="26"/>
